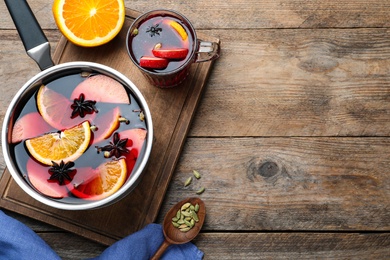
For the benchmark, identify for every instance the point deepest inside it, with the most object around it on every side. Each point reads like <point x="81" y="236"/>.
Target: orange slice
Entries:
<point x="179" y="29"/>
<point x="99" y="183"/>
<point x="56" y="109"/>
<point x="89" y="23"/>
<point x="63" y="146"/>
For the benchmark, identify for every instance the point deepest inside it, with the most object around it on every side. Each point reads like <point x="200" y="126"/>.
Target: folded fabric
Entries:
<point x="17" y="241"/>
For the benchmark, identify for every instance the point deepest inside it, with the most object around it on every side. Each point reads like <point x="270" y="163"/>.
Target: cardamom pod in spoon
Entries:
<point x="182" y="223"/>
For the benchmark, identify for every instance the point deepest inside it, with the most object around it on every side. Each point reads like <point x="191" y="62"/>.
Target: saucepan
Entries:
<point x="38" y="48"/>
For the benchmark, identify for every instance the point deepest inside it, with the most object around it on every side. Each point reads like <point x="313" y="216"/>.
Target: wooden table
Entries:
<point x="291" y="135"/>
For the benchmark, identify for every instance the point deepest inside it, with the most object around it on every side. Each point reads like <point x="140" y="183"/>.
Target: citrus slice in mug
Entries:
<point x="89" y="23"/>
<point x="99" y="183"/>
<point x="66" y="146"/>
<point x="179" y="29"/>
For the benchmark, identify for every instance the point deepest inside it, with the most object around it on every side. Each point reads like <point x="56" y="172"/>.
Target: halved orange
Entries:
<point x="66" y="146"/>
<point x="89" y="23"/>
<point x="99" y="183"/>
<point x="56" y="109"/>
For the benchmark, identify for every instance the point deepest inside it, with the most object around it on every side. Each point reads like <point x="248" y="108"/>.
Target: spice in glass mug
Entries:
<point x="161" y="43"/>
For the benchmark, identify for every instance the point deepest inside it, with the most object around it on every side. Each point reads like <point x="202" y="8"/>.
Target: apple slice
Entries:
<point x="106" y="124"/>
<point x="153" y="62"/>
<point x="29" y="126"/>
<point x="101" y="88"/>
<point x="84" y="177"/>
<point x="171" y="54"/>
<point x="136" y="138"/>
<point x="56" y="109"/>
<point x="135" y="141"/>
<point x="39" y="175"/>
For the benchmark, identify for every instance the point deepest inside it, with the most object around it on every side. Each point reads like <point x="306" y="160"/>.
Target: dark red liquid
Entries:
<point x="144" y="41"/>
<point x="91" y="158"/>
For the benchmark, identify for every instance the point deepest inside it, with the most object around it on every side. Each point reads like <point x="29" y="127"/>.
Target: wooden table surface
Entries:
<point x="291" y="136"/>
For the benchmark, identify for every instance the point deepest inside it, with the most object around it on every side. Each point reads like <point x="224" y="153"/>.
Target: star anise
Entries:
<point x="81" y="107"/>
<point x="116" y="148"/>
<point x="61" y="171"/>
<point x="153" y="30"/>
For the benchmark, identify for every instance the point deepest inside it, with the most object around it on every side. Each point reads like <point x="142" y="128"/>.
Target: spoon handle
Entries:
<point x="161" y="250"/>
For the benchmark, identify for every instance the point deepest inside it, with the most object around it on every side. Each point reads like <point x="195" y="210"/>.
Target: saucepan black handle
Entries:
<point x="34" y="40"/>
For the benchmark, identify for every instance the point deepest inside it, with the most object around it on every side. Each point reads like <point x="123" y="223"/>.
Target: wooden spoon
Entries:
<point x="172" y="234"/>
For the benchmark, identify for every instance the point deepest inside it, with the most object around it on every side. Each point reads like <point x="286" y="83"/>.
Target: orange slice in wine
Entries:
<point x="66" y="146"/>
<point x="95" y="184"/>
<point x="179" y="29"/>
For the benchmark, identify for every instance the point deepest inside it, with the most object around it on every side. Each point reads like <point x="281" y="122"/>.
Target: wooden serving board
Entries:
<point x="172" y="111"/>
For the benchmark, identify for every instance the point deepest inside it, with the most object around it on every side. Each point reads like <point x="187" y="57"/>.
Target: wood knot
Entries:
<point x="266" y="169"/>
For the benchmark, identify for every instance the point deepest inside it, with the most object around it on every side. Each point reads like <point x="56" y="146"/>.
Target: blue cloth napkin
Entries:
<point x="17" y="241"/>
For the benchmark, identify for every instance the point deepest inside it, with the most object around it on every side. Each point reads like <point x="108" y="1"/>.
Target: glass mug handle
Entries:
<point x="207" y="51"/>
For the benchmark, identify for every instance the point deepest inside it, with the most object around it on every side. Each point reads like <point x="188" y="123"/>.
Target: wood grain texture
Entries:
<point x="294" y="83"/>
<point x="70" y="246"/>
<point x="306" y="184"/>
<point x="252" y="245"/>
<point x="252" y="14"/>
<point x="255" y="246"/>
<point x="294" y="245"/>
<point x="298" y="83"/>
<point x="239" y="245"/>
<point x="291" y="135"/>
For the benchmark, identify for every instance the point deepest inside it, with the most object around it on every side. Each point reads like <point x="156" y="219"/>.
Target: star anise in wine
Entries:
<point x="81" y="107"/>
<point x="61" y="171"/>
<point x="153" y="30"/>
<point x="116" y="148"/>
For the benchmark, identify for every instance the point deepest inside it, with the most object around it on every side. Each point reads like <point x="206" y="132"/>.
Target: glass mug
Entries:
<point x="163" y="44"/>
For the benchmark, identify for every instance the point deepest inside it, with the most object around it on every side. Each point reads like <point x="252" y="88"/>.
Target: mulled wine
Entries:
<point x="78" y="137"/>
